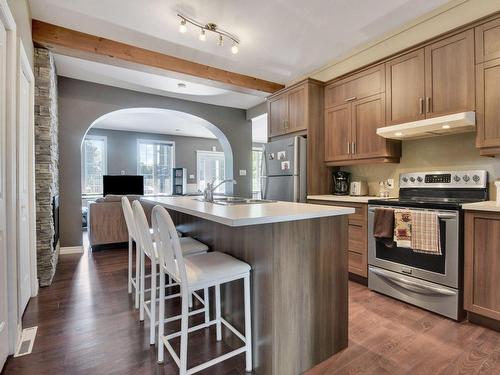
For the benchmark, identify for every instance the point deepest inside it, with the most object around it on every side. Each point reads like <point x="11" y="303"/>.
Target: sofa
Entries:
<point x="106" y="223"/>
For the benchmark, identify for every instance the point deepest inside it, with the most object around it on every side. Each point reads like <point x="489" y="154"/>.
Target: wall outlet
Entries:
<point x="243" y="172"/>
<point x="214" y="148"/>
<point x="390" y="183"/>
<point x="122" y="173"/>
<point x="191" y="176"/>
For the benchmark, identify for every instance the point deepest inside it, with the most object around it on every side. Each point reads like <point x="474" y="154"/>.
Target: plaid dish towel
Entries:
<point x="425" y="233"/>
<point x="402" y="228"/>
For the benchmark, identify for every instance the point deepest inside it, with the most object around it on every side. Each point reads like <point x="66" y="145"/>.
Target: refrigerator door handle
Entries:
<point x="263" y="187"/>
<point x="296" y="188"/>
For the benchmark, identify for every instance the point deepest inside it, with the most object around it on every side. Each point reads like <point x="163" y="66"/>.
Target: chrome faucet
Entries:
<point x="208" y="193"/>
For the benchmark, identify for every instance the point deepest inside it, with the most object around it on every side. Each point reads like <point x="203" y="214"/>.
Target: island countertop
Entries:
<point x="248" y="214"/>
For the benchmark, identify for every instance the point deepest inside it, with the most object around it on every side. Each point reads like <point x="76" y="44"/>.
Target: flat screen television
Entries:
<point x="123" y="185"/>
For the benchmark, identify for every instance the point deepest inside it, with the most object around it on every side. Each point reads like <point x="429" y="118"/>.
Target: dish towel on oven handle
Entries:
<point x="403" y="228"/>
<point x="425" y="233"/>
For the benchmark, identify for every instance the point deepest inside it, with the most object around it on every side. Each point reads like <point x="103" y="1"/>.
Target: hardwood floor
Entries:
<point x="87" y="325"/>
<point x="389" y="337"/>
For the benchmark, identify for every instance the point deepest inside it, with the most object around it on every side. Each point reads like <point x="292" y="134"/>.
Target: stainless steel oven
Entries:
<point x="430" y="281"/>
<point x="442" y="269"/>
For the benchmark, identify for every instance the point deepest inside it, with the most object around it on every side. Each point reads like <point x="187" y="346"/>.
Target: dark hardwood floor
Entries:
<point x="87" y="325"/>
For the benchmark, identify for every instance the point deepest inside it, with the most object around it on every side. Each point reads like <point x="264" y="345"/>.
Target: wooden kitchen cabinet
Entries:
<point x="488" y="88"/>
<point x="432" y="81"/>
<point x="289" y="109"/>
<point x="487" y="41"/>
<point x="338" y="133"/>
<point x="482" y="264"/>
<point x="449" y="75"/>
<point x="405" y="84"/>
<point x="357" y="236"/>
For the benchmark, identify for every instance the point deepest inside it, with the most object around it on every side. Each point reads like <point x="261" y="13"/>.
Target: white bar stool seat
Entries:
<point x="200" y="271"/>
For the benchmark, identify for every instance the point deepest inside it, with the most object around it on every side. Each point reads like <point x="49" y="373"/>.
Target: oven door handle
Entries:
<point x="411" y="285"/>
<point x="442" y="216"/>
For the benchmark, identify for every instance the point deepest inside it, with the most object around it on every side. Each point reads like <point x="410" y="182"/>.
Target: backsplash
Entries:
<point x="453" y="152"/>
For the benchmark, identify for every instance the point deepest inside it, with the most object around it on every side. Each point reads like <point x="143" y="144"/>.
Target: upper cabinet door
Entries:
<point x="358" y="86"/>
<point x="449" y="75"/>
<point x="488" y="107"/>
<point x="297" y="110"/>
<point x="338" y="133"/>
<point x="367" y="115"/>
<point x="405" y="88"/>
<point x="488" y="41"/>
<point x="278" y="115"/>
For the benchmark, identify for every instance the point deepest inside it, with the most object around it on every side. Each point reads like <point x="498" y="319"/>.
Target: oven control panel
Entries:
<point x="445" y="179"/>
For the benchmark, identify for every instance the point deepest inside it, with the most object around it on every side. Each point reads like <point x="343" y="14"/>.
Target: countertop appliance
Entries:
<point x="433" y="282"/>
<point x="341" y="183"/>
<point x="283" y="170"/>
<point x="358" y="188"/>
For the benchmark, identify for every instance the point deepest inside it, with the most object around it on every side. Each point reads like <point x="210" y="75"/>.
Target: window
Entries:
<point x="155" y="160"/>
<point x="209" y="168"/>
<point x="257" y="153"/>
<point x="94" y="163"/>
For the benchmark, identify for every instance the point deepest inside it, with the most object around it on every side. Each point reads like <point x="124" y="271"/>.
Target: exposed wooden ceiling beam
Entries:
<point x="77" y="44"/>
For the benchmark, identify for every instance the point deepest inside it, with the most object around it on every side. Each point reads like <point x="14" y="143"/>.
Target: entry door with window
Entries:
<point x="155" y="163"/>
<point x="209" y="168"/>
<point x="94" y="164"/>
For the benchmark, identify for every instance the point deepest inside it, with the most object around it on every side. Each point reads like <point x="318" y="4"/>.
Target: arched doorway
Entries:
<point x="151" y="142"/>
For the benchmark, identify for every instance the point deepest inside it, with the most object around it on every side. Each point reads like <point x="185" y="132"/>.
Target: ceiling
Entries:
<point x="136" y="80"/>
<point x="281" y="40"/>
<point x="154" y="120"/>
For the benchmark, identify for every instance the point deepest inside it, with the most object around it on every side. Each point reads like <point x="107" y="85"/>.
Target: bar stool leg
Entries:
<point x="184" y="335"/>
<point x="129" y="265"/>
<point x="217" y="313"/>
<point x="137" y="275"/>
<point x="152" y="306"/>
<point x="141" y="287"/>
<point x="248" y="324"/>
<point x="206" y="298"/>
<point x="161" y="317"/>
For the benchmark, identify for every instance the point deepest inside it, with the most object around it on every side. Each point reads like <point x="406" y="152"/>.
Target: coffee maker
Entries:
<point x="341" y="183"/>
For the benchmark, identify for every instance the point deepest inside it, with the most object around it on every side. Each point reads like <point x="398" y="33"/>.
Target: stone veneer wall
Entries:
<point x="46" y="162"/>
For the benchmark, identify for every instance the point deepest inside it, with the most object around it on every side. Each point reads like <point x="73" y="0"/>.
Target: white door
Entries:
<point x="4" y="343"/>
<point x="24" y="232"/>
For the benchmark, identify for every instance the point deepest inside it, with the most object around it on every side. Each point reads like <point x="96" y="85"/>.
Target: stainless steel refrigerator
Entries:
<point x="284" y="170"/>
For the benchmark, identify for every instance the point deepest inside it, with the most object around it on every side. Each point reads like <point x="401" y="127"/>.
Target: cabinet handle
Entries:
<point x="351" y="99"/>
<point x="348" y="148"/>
<point x="421" y="106"/>
<point x="286" y="124"/>
<point x="354" y="148"/>
<point x="428" y="105"/>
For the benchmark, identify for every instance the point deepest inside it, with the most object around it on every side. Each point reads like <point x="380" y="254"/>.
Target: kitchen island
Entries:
<point x="298" y="255"/>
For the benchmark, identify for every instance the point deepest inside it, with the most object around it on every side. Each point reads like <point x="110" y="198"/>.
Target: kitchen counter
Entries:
<point x="299" y="259"/>
<point x="248" y="214"/>
<point x="491" y="206"/>
<point x="343" y="198"/>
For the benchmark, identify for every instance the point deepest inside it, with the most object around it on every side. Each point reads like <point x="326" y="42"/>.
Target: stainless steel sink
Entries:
<point x="232" y="201"/>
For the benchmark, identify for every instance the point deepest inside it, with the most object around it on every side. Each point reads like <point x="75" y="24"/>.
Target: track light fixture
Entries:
<point x="184" y="20"/>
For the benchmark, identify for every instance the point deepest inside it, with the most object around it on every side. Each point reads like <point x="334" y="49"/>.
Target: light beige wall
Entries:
<point x="22" y="15"/>
<point x="453" y="152"/>
<point x="450" y="16"/>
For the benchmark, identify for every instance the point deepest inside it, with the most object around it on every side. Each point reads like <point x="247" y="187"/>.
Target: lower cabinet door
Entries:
<point x="482" y="264"/>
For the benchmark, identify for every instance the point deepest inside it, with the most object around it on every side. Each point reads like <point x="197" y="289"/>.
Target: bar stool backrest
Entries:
<point x="168" y="245"/>
<point x="129" y="218"/>
<point x="142" y="228"/>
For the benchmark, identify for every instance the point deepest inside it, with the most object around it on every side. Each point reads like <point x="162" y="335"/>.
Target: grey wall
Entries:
<point x="22" y="15"/>
<point x="122" y="150"/>
<point x="81" y="103"/>
<point x="258" y="110"/>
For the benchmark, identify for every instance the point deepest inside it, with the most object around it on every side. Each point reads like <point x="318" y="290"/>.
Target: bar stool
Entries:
<point x="147" y="247"/>
<point x="132" y="237"/>
<point x="194" y="273"/>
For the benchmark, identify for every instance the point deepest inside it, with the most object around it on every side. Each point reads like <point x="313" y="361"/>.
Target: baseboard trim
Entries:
<point x="71" y="250"/>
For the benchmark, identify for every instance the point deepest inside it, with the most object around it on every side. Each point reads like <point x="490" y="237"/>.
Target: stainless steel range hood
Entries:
<point x="450" y="124"/>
